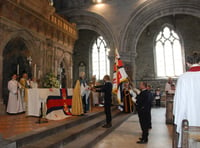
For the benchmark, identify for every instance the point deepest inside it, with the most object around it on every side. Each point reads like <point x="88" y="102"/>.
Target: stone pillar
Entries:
<point x="71" y="72"/>
<point x="112" y="61"/>
<point x="1" y="71"/>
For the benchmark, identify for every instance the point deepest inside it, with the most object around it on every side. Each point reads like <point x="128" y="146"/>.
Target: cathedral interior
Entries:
<point x="66" y="37"/>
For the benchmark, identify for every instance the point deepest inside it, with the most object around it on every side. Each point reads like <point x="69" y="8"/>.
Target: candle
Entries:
<point x="71" y="72"/>
<point x="17" y="69"/>
<point x="56" y="68"/>
<point x="39" y="74"/>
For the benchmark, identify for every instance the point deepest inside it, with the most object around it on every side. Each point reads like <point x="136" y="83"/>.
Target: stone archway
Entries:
<point x="15" y="60"/>
<point x="62" y="75"/>
<point x="64" y="70"/>
<point x="90" y="21"/>
<point x="148" y="12"/>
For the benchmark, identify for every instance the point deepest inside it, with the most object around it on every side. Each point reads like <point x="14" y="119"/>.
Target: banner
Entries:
<point x="119" y="76"/>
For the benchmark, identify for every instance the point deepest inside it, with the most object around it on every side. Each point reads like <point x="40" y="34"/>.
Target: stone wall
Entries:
<point x="48" y="39"/>
<point x="124" y="25"/>
<point x="82" y="52"/>
<point x="189" y="33"/>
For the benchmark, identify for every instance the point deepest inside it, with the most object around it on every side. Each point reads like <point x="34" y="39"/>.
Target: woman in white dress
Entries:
<point x="14" y="101"/>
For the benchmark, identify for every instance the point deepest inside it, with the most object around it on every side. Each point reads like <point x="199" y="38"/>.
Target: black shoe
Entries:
<point x="142" y="141"/>
<point x="140" y="138"/>
<point x="107" y="126"/>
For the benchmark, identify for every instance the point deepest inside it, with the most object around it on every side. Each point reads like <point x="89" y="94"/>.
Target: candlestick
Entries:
<point x="34" y="71"/>
<point x="17" y="69"/>
<point x="56" y="68"/>
<point x="39" y="74"/>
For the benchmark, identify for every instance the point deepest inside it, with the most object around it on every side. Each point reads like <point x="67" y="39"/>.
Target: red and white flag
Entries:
<point x="119" y="76"/>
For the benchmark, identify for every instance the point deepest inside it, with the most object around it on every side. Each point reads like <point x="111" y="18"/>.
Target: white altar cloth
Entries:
<point x="36" y="96"/>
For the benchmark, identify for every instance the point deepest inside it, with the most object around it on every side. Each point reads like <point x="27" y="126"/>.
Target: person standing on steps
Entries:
<point x="143" y="104"/>
<point x="107" y="90"/>
<point x="14" y="101"/>
<point x="85" y="92"/>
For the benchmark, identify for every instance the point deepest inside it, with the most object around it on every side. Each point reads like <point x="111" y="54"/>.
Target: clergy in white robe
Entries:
<point x="14" y="101"/>
<point x="85" y="92"/>
<point x="168" y="85"/>
<point x="187" y="99"/>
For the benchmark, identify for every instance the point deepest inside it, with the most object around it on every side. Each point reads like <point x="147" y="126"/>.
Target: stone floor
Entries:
<point x="127" y="134"/>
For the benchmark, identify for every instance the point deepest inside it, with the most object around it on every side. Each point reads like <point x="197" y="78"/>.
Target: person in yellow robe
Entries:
<point x="77" y="106"/>
<point x="24" y="92"/>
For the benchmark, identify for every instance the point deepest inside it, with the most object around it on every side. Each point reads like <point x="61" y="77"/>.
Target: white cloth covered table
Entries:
<point x="59" y="113"/>
<point x="36" y="96"/>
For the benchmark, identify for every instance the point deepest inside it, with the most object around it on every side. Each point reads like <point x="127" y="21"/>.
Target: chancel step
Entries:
<point x="65" y="133"/>
<point x="92" y="137"/>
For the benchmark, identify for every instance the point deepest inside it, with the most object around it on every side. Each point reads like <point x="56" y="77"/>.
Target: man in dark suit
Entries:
<point x="107" y="89"/>
<point x="143" y="104"/>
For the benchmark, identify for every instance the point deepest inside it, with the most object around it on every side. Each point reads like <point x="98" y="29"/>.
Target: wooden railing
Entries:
<point x="63" y="24"/>
<point x="47" y="23"/>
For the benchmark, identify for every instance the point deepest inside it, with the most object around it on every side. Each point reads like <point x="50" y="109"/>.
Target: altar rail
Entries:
<point x="190" y="135"/>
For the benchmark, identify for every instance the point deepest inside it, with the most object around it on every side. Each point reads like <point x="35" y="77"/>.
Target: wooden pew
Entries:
<point x="169" y="109"/>
<point x="175" y="137"/>
<point x="190" y="135"/>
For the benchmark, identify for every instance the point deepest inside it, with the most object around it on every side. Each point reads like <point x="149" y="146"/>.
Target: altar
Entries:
<point x="37" y="98"/>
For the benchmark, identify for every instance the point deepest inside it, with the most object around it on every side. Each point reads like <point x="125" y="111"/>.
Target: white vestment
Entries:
<point x="187" y="101"/>
<point x="85" y="91"/>
<point x="133" y="95"/>
<point x="167" y="87"/>
<point x="14" y="100"/>
<point x="33" y="84"/>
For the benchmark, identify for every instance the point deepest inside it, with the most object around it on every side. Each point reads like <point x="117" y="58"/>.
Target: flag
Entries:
<point x="119" y="76"/>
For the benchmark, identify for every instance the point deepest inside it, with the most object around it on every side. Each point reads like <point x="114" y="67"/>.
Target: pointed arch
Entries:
<point x="94" y="22"/>
<point x="146" y="13"/>
<point x="100" y="60"/>
<point x="168" y="52"/>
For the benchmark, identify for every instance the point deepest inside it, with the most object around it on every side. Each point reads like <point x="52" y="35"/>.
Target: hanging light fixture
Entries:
<point x="51" y="2"/>
<point x="98" y="1"/>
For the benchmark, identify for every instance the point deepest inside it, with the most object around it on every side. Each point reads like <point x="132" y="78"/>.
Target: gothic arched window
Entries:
<point x="168" y="53"/>
<point x="100" y="60"/>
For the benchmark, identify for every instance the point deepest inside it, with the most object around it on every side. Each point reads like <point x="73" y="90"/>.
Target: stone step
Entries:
<point x="92" y="137"/>
<point x="61" y="138"/>
<point x="37" y="134"/>
<point x="6" y="144"/>
<point x="2" y="108"/>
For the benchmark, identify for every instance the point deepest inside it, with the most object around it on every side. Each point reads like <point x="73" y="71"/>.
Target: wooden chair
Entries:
<point x="190" y="135"/>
